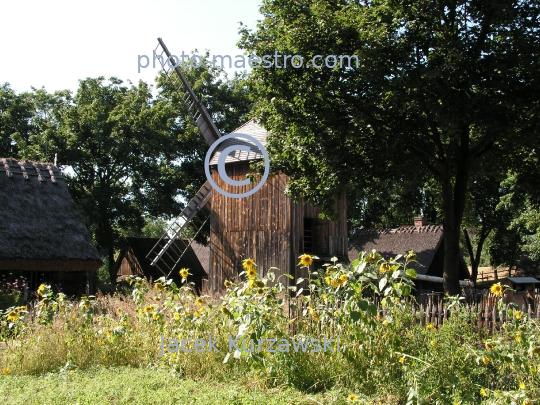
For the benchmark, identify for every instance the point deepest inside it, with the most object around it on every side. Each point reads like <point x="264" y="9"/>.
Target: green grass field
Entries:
<point x="124" y="385"/>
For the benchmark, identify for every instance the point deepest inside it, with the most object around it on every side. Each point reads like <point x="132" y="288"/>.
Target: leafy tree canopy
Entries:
<point x="438" y="87"/>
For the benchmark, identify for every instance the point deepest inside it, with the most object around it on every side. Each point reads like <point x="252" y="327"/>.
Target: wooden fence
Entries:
<point x="433" y="309"/>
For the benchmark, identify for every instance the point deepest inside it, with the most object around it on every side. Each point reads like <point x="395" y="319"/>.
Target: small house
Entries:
<point x="42" y="234"/>
<point x="425" y="240"/>
<point x="524" y="294"/>
<point x="133" y="261"/>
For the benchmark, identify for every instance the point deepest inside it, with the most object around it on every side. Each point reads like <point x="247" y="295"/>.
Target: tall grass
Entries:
<point x="391" y="358"/>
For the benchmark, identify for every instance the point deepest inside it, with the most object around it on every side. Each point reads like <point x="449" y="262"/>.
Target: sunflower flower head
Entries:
<point x="248" y="264"/>
<point x="306" y="260"/>
<point x="159" y="287"/>
<point x="385" y="268"/>
<point x="184" y="273"/>
<point x="12" y="316"/>
<point x="251" y="272"/>
<point x="149" y="309"/>
<point x="497" y="289"/>
<point x="352" y="398"/>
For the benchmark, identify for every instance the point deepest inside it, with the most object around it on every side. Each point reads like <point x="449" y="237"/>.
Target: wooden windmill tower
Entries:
<point x="267" y="226"/>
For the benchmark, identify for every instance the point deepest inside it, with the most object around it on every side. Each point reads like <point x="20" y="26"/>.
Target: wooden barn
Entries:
<point x="267" y="226"/>
<point x="42" y="234"/>
<point x="425" y="240"/>
<point x="133" y="261"/>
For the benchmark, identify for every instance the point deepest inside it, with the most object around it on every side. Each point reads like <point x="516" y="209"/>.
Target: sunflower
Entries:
<point x="248" y="264"/>
<point x="373" y="257"/>
<point x="149" y="309"/>
<point x="497" y="289"/>
<point x="41" y="290"/>
<point x="251" y="272"/>
<point x="536" y="350"/>
<point x="228" y="284"/>
<point x="486" y="360"/>
<point x="411" y="256"/>
<point x="489" y="346"/>
<point x="13" y="316"/>
<point x="518" y="337"/>
<point x="184" y="273"/>
<point x="176" y="316"/>
<point x="522" y="385"/>
<point x="402" y="360"/>
<point x="313" y="314"/>
<point x="483" y="392"/>
<point x="159" y="287"/>
<point x="385" y="268"/>
<point x="306" y="260"/>
<point x="328" y="280"/>
<point x="352" y="398"/>
<point x="343" y="278"/>
<point x="199" y="301"/>
<point x="335" y="283"/>
<point x="517" y="315"/>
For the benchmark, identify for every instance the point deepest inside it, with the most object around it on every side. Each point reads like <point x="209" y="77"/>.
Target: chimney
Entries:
<point x="419" y="221"/>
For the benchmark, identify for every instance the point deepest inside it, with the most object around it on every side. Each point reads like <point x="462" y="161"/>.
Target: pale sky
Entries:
<point x="54" y="43"/>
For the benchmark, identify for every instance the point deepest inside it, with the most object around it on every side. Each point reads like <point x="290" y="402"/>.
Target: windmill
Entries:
<point x="265" y="224"/>
<point x="165" y="254"/>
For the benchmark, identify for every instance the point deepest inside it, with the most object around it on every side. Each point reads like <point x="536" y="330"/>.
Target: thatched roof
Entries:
<point x="424" y="240"/>
<point x="41" y="228"/>
<point x="196" y="258"/>
<point x="250" y="128"/>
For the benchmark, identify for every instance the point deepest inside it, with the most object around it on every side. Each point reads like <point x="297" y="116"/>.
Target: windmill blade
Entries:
<point x="200" y="114"/>
<point x="166" y="254"/>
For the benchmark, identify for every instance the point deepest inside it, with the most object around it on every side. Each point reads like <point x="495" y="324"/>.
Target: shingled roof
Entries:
<point x="250" y="128"/>
<point x="424" y="240"/>
<point x="41" y="228"/>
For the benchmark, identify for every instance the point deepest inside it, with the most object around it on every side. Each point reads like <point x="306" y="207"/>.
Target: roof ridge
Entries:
<point x="244" y="124"/>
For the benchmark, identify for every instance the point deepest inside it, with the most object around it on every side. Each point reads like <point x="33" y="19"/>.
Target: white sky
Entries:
<point x="54" y="43"/>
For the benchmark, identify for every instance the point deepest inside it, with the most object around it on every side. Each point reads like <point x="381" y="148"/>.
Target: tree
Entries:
<point x="438" y="87"/>
<point x="16" y="112"/>
<point x="127" y="156"/>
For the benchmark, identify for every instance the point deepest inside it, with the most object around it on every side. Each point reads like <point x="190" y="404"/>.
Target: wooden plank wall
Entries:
<point x="266" y="226"/>
<point x="257" y="227"/>
<point x="323" y="230"/>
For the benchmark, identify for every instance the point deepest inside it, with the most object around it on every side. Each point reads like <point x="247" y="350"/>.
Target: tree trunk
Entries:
<point x="475" y="259"/>
<point x="112" y="269"/>
<point x="454" y="195"/>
